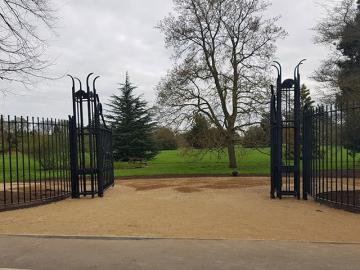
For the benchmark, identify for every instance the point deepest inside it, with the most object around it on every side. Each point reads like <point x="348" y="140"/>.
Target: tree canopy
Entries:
<point x="21" y="44"/>
<point x="340" y="31"/>
<point x="222" y="50"/>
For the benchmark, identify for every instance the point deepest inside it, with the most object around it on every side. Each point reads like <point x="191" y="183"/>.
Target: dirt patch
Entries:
<point x="192" y="176"/>
<point x="187" y="189"/>
<point x="196" y="185"/>
<point x="233" y="184"/>
<point x="148" y="186"/>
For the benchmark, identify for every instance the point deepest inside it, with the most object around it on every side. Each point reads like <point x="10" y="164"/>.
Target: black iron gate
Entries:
<point x="91" y="143"/>
<point x="285" y="135"/>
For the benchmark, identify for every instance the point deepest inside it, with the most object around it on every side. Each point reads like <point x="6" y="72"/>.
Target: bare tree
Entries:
<point x="222" y="49"/>
<point x="21" y="45"/>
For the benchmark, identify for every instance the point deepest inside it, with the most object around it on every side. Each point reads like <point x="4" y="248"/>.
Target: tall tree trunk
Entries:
<point x="232" y="155"/>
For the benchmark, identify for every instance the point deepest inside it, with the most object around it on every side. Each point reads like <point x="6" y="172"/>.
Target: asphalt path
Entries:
<point x="28" y="252"/>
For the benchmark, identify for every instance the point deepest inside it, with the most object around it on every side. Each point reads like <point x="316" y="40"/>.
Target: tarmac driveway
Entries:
<point x="157" y="254"/>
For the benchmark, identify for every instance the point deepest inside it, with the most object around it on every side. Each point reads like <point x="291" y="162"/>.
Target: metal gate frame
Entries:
<point x="285" y="119"/>
<point x="90" y="143"/>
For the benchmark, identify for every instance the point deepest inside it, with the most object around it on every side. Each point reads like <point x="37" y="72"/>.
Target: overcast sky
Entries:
<point x="110" y="37"/>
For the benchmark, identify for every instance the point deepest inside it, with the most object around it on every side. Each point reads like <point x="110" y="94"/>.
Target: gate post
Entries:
<point x="90" y="151"/>
<point x="307" y="151"/>
<point x="273" y="143"/>
<point x="297" y="126"/>
<point x="279" y="135"/>
<point x="98" y="141"/>
<point x="285" y="135"/>
<point x="75" y="193"/>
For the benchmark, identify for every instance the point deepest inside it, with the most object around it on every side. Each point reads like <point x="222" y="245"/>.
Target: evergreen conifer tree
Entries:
<point x="306" y="100"/>
<point x="132" y="125"/>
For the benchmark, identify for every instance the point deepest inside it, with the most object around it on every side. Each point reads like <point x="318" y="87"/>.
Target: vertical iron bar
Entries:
<point x="73" y="155"/>
<point x="279" y="135"/>
<point x="336" y="153"/>
<point x="354" y="157"/>
<point x="41" y="137"/>
<point x="327" y="151"/>
<point x="62" y="156"/>
<point x="272" y="144"/>
<point x="347" y="154"/>
<point x="297" y="135"/>
<point x="323" y="151"/>
<point x="347" y="123"/>
<point x="52" y="158"/>
<point x="318" y="181"/>
<point x="341" y="153"/>
<point x="17" y="160"/>
<point x="29" y="157"/>
<point x="67" y="154"/>
<point x="10" y="160"/>
<point x="22" y="155"/>
<point x="34" y="155"/>
<point x="3" y="158"/>
<point x="331" y="153"/>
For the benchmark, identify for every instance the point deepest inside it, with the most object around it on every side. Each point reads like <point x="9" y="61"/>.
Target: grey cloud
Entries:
<point x="114" y="36"/>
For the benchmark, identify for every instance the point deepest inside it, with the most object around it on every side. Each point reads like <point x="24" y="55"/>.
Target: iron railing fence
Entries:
<point x="34" y="161"/>
<point x="105" y="156"/>
<point x="331" y="158"/>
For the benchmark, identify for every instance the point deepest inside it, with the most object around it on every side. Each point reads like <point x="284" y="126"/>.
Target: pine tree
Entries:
<point x="132" y="125"/>
<point x="197" y="135"/>
<point x="306" y="100"/>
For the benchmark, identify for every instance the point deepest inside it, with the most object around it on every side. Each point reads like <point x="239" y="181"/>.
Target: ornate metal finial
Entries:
<point x="297" y="69"/>
<point x="94" y="83"/>
<point x="73" y="81"/>
<point x="87" y="81"/>
<point x="76" y="78"/>
<point x="278" y="67"/>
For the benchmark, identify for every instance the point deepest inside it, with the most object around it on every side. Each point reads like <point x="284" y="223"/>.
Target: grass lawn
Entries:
<point x="174" y="162"/>
<point x="250" y="162"/>
<point x="24" y="167"/>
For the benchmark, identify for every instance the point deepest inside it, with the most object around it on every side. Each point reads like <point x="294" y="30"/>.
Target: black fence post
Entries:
<point x="279" y="136"/>
<point x="306" y="151"/>
<point x="273" y="143"/>
<point x="75" y="193"/>
<point x="100" y="154"/>
<point x="297" y="127"/>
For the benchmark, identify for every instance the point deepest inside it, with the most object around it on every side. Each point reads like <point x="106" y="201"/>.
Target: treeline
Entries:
<point x="137" y="135"/>
<point x="201" y="135"/>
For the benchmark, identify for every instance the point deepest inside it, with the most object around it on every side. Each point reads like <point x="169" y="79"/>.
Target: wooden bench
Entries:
<point x="137" y="160"/>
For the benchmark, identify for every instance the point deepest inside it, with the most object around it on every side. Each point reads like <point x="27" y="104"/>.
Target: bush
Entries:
<point x="254" y="137"/>
<point x="165" y="139"/>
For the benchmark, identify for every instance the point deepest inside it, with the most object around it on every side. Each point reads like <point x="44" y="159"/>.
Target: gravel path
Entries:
<point x="201" y="208"/>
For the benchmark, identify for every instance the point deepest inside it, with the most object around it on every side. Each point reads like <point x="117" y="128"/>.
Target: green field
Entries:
<point x="250" y="162"/>
<point x="174" y="162"/>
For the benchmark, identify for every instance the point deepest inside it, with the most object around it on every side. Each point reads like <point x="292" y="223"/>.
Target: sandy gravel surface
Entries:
<point x="206" y="208"/>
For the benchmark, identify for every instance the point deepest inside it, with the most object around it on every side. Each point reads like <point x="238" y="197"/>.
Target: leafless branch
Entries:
<point x="21" y="46"/>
